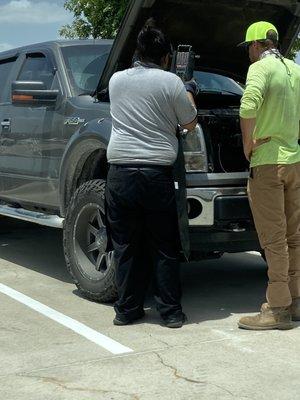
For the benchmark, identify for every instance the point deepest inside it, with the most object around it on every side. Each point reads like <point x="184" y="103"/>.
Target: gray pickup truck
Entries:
<point x="55" y="127"/>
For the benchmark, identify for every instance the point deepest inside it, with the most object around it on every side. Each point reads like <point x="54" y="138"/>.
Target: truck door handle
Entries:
<point x="6" y="125"/>
<point x="5" y="122"/>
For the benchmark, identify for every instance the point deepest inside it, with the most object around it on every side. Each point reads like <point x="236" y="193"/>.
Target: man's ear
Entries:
<point x="258" y="46"/>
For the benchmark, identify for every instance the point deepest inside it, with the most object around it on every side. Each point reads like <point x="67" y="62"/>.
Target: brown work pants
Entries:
<point x="274" y="195"/>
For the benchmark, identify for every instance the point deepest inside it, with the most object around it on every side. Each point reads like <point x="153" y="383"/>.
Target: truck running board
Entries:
<point x="54" y="221"/>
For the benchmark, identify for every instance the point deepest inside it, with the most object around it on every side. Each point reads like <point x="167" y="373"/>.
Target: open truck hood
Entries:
<point x="212" y="27"/>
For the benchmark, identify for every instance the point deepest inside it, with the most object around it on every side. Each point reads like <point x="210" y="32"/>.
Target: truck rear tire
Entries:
<point x="85" y="242"/>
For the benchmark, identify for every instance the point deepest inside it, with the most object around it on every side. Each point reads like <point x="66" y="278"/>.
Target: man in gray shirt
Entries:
<point x="147" y="105"/>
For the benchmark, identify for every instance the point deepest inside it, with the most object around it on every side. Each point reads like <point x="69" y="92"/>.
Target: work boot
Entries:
<point x="295" y="309"/>
<point x="121" y="320"/>
<point x="268" y="318"/>
<point x="174" y="321"/>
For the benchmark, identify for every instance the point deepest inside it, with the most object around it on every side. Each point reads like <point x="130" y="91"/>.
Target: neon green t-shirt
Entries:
<point x="272" y="96"/>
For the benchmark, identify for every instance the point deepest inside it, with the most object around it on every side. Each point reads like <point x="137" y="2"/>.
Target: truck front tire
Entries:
<point x="85" y="242"/>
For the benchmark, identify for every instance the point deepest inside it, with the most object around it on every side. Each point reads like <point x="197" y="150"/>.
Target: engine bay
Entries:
<point x="223" y="141"/>
<point x="221" y="127"/>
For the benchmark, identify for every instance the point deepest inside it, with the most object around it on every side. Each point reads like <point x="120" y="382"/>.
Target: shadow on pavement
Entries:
<point x="216" y="289"/>
<point x="34" y="247"/>
<point x="212" y="289"/>
<point x="232" y="285"/>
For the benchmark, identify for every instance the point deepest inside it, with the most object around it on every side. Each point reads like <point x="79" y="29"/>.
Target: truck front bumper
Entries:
<point x="221" y="220"/>
<point x="205" y="241"/>
<point x="209" y="205"/>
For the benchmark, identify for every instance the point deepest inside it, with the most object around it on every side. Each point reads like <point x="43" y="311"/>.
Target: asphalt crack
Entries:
<point x="176" y="373"/>
<point x="159" y="340"/>
<point x="179" y="376"/>
<point x="64" y="385"/>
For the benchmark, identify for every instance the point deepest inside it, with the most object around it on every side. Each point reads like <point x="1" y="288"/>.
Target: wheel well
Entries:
<point x="94" y="167"/>
<point x="91" y="166"/>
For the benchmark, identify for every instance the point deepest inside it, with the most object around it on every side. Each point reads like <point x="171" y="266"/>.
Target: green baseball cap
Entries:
<point x="258" y="31"/>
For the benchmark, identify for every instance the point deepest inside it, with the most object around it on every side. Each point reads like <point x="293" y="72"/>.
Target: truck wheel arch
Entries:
<point x="84" y="160"/>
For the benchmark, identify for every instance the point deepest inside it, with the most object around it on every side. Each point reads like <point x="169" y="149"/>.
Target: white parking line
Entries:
<point x="101" y="340"/>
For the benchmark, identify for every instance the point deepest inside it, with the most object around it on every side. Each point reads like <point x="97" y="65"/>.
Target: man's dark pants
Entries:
<point x="143" y="225"/>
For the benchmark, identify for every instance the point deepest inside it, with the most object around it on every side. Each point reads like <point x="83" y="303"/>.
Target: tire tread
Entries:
<point x="109" y="293"/>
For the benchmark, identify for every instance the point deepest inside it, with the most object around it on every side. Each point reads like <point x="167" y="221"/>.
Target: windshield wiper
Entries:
<point x="220" y="92"/>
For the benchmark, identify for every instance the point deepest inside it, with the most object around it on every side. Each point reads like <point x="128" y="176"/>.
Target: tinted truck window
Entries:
<point x="37" y="68"/>
<point x="84" y="65"/>
<point x="5" y="69"/>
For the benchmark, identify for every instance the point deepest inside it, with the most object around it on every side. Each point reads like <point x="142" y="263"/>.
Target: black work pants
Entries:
<point x="143" y="225"/>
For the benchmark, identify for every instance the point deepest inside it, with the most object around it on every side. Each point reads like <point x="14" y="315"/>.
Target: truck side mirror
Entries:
<point x="33" y="93"/>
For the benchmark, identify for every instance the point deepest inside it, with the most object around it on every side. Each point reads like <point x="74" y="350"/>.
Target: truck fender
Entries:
<point x="92" y="136"/>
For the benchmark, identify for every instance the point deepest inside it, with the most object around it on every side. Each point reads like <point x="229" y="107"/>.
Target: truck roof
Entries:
<point x="55" y="43"/>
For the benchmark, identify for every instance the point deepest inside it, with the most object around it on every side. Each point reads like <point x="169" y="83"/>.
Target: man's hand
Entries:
<point x="259" y="142"/>
<point x="255" y="144"/>
<point x="192" y="87"/>
<point x="248" y="126"/>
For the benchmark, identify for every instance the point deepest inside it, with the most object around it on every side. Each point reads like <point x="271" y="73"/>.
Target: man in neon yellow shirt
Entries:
<point x="270" y="113"/>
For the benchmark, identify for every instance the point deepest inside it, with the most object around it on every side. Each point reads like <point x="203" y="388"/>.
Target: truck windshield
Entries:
<point x="210" y="82"/>
<point x="84" y="65"/>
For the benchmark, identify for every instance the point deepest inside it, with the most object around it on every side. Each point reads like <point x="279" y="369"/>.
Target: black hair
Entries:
<point x="152" y="44"/>
<point x="271" y="41"/>
<point x="273" y="37"/>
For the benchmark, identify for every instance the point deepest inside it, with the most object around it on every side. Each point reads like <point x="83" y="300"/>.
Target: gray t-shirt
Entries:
<point x="147" y="104"/>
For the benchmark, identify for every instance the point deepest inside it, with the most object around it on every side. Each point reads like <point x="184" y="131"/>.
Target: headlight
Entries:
<point x="195" y="151"/>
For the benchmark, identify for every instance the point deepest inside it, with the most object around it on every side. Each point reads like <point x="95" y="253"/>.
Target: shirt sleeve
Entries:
<point x="184" y="109"/>
<point x="256" y="86"/>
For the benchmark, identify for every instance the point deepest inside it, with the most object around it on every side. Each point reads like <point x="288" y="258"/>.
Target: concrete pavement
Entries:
<point x="209" y="358"/>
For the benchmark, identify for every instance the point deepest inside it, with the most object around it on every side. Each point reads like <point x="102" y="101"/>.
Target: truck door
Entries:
<point x="7" y="69"/>
<point x="30" y="156"/>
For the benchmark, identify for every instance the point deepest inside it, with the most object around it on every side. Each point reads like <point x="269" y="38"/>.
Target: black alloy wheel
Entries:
<point x="85" y="244"/>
